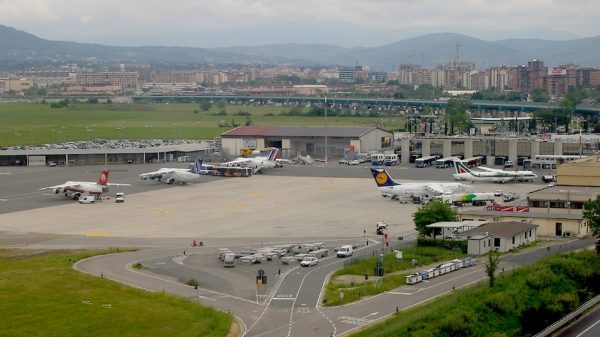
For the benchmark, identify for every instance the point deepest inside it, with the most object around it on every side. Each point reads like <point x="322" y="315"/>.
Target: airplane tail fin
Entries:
<point x="103" y="178"/>
<point x="197" y="166"/>
<point x="460" y="167"/>
<point x="273" y="155"/>
<point x="382" y="178"/>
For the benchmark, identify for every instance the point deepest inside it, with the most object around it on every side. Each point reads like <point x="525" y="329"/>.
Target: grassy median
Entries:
<point x="42" y="295"/>
<point x="350" y="280"/>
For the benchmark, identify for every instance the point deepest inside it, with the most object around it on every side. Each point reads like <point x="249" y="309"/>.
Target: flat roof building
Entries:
<point x="307" y="140"/>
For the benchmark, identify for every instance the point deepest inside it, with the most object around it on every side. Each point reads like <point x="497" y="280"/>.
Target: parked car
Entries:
<point x="88" y="199"/>
<point x="120" y="197"/>
<point x="354" y="162"/>
<point x="343" y="161"/>
<point x="309" y="261"/>
<point x="508" y="164"/>
<point x="51" y="163"/>
<point x="548" y="178"/>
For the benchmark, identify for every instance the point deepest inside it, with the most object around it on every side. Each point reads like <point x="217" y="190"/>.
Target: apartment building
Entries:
<point x="122" y="79"/>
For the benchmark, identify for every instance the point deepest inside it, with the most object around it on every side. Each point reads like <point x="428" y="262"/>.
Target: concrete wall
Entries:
<point x="478" y="247"/>
<point x="371" y="141"/>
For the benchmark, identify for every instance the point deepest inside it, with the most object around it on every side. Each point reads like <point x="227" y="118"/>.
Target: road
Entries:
<point x="293" y="308"/>
<point x="586" y="326"/>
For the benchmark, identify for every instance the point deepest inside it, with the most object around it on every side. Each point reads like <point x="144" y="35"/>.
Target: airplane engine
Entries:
<point x="57" y="190"/>
<point x="171" y="181"/>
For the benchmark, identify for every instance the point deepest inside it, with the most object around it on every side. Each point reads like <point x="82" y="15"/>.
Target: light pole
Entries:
<point x="326" y="149"/>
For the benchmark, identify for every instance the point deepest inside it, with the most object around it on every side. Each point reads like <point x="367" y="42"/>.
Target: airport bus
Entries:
<point x="391" y="159"/>
<point x="548" y="161"/>
<point x="377" y="159"/>
<point x="425" y="161"/>
<point x="446" y="162"/>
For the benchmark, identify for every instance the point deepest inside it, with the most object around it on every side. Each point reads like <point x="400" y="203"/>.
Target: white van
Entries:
<point x="345" y="251"/>
<point x="88" y="199"/>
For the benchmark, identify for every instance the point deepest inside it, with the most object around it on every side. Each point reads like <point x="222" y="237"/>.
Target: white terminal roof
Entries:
<point x="457" y="224"/>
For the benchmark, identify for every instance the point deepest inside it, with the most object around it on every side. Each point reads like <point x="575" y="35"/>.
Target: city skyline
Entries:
<point x="345" y="23"/>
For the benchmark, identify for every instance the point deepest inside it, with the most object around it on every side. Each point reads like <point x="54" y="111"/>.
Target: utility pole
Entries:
<point x="457" y="47"/>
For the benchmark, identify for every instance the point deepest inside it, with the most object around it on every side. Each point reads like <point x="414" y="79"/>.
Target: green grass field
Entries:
<point x="42" y="295"/>
<point x="24" y="123"/>
<point x="354" y="291"/>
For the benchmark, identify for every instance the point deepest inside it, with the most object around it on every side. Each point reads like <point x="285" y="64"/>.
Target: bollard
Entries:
<point x="184" y="252"/>
<point x="397" y="309"/>
<point x="367" y="242"/>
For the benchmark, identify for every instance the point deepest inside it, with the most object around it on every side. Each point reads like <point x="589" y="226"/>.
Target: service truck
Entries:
<point x="475" y="198"/>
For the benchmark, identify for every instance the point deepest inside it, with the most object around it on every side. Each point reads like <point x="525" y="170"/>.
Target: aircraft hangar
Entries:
<point x="307" y="140"/>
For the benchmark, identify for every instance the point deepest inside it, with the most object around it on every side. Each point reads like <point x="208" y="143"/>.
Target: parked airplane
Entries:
<point x="389" y="187"/>
<point x="462" y="172"/>
<point x="177" y="175"/>
<point x="75" y="189"/>
<point x="257" y="164"/>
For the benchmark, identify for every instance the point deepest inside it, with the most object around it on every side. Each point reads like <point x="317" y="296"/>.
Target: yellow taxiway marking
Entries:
<point x="240" y="205"/>
<point x="330" y="184"/>
<point x="257" y="194"/>
<point x="97" y="233"/>
<point x="160" y="212"/>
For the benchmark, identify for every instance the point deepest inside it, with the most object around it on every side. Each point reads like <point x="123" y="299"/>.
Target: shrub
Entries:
<point x="137" y="266"/>
<point x="192" y="282"/>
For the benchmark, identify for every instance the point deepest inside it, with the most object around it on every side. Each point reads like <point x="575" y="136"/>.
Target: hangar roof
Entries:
<point x="291" y="131"/>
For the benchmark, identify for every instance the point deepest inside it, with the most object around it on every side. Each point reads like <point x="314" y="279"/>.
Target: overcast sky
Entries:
<point x="204" y="23"/>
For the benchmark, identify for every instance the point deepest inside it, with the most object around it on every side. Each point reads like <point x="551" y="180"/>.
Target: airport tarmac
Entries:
<point x="294" y="201"/>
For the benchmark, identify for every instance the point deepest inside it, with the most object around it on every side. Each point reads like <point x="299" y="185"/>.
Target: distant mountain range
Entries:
<point x="426" y="50"/>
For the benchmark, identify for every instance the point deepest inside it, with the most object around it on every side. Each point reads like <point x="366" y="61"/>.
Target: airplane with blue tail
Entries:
<point x="177" y="175"/>
<point x="389" y="187"/>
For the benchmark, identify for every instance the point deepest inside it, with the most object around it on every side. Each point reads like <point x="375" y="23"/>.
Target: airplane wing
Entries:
<point x="436" y="188"/>
<point x="237" y="162"/>
<point x="59" y="187"/>
<point x="154" y="175"/>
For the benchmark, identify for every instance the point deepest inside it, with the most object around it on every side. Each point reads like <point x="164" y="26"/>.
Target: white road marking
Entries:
<point x="588" y="329"/>
<point x="3" y="199"/>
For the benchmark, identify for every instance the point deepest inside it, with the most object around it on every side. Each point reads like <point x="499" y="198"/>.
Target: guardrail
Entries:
<point x="563" y="321"/>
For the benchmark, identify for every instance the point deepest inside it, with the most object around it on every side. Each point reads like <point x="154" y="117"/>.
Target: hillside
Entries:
<point x="426" y="50"/>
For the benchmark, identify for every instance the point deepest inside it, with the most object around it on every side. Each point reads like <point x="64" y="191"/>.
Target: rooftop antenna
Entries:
<point x="458" y="45"/>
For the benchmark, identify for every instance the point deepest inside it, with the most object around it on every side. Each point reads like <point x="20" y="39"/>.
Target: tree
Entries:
<point x="539" y="95"/>
<point x="432" y="212"/>
<point x="221" y="103"/>
<point x="491" y="266"/>
<point x="569" y="104"/>
<point x="205" y="105"/>
<point x="456" y="112"/>
<point x="591" y="214"/>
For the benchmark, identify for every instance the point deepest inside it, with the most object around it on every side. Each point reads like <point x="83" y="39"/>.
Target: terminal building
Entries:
<point x="556" y="210"/>
<point x="311" y="141"/>
<point x="106" y="156"/>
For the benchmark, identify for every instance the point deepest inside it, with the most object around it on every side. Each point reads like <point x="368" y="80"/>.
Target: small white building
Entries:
<point x="500" y="236"/>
